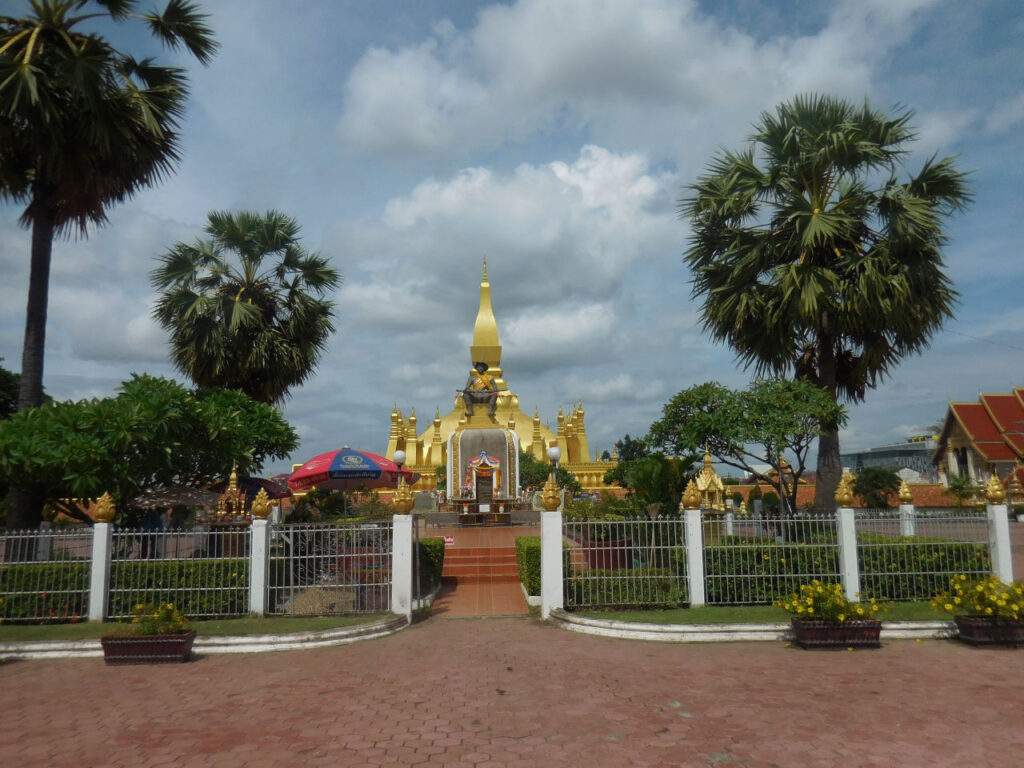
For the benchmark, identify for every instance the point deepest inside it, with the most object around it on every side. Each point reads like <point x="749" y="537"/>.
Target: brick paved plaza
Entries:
<point x="517" y="692"/>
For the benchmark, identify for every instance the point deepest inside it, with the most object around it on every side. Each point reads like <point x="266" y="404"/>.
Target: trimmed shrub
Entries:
<point x="756" y="571"/>
<point x="528" y="561"/>
<point x="431" y="554"/>
<point x="642" y="588"/>
<point x="44" y="593"/>
<point x="914" y="568"/>
<point x="196" y="587"/>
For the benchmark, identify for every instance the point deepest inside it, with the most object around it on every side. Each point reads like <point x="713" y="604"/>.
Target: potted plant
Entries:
<point x="987" y="611"/>
<point x="157" y="634"/>
<point x="824" y="618"/>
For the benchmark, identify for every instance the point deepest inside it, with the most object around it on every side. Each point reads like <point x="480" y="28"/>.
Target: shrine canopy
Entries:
<point x="348" y="469"/>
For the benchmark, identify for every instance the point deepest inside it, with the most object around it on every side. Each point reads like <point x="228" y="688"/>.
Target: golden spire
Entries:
<point x="486" y="346"/>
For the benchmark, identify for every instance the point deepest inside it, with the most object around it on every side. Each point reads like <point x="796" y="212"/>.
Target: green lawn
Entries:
<point x="13" y="633"/>
<point x="741" y="614"/>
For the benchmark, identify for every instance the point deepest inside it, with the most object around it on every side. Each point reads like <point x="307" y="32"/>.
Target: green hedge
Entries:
<point x="431" y="554"/>
<point x="752" y="571"/>
<point x="640" y="587"/>
<point x="528" y="560"/>
<point x="915" y="568"/>
<point x="44" y="592"/>
<point x="197" y="587"/>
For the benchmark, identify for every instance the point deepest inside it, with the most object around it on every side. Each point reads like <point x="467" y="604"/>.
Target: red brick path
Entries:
<point x="518" y="693"/>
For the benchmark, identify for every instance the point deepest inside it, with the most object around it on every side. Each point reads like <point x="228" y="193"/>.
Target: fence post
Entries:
<point x="401" y="565"/>
<point x="999" y="542"/>
<point x="846" y="533"/>
<point x="907" y="523"/>
<point x="259" y="563"/>
<point x="695" y="557"/>
<point x="552" y="594"/>
<point x="730" y="517"/>
<point x="99" y="573"/>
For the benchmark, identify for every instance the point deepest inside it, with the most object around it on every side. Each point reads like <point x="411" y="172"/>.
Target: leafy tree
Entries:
<point x="655" y="479"/>
<point x="84" y="126"/>
<point x="533" y="473"/>
<point x="772" y="422"/>
<point x="246" y="308"/>
<point x="153" y="434"/>
<point x="814" y="259"/>
<point x="627" y="449"/>
<point x="962" y="490"/>
<point x="875" y="485"/>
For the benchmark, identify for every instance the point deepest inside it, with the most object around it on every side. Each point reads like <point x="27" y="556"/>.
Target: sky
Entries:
<point x="556" y="137"/>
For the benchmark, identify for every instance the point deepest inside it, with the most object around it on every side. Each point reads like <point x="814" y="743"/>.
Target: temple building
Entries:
<point x="982" y="438"/>
<point x="444" y="440"/>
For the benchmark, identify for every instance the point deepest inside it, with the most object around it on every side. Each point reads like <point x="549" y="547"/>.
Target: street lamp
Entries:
<point x="403" y="501"/>
<point x="549" y="498"/>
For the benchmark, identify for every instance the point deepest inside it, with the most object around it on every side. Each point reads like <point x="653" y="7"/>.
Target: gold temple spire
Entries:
<point x="486" y="346"/>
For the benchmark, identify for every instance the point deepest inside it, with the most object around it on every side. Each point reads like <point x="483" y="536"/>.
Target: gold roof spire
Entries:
<point x="486" y="346"/>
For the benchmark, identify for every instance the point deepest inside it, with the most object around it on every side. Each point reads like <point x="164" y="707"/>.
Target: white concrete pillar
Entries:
<point x="401" y="565"/>
<point x="730" y="518"/>
<point x="999" y="542"/>
<point x="908" y="525"/>
<point x="846" y="533"/>
<point x="695" y="557"/>
<point x="259" y="564"/>
<point x="552" y="593"/>
<point x="99" y="574"/>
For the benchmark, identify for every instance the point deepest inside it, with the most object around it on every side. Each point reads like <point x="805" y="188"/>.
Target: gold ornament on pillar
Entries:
<point x="403" y="501"/>
<point x="994" y="490"/>
<point x="261" y="505"/>
<point x="906" y="497"/>
<point x="104" y="510"/>
<point x="691" y="496"/>
<point x="844" y="496"/>
<point x="549" y="497"/>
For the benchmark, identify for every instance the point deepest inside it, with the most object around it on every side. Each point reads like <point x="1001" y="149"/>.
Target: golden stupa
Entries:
<point x="427" y="450"/>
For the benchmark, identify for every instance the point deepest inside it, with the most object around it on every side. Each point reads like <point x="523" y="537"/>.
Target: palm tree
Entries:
<point x="814" y="259"/>
<point x="258" y="325"/>
<point x="83" y="125"/>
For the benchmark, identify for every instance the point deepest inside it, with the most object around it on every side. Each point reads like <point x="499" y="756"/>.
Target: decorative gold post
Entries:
<point x="261" y="505"/>
<point x="403" y="501"/>
<point x="994" y="490"/>
<point x="104" y="511"/>
<point x="906" y="496"/>
<point x="844" y="496"/>
<point x="691" y="497"/>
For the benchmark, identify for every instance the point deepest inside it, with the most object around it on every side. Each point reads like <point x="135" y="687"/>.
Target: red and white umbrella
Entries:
<point x="348" y="469"/>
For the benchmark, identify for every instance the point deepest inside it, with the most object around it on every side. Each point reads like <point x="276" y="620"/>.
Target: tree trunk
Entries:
<point x="829" y="469"/>
<point x="25" y="504"/>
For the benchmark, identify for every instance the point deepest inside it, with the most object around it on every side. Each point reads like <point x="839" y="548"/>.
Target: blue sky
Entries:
<point x="409" y="139"/>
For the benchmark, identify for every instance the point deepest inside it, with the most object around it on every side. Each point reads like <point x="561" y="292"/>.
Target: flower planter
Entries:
<point x="986" y="630"/>
<point x="148" y="649"/>
<point x="860" y="633"/>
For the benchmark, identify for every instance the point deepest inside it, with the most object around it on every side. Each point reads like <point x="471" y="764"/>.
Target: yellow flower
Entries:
<point x="810" y="610"/>
<point x="842" y="617"/>
<point x="948" y="607"/>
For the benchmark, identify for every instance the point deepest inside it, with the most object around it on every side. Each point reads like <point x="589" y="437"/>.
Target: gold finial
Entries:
<point x="1015" y="489"/>
<point x="707" y="458"/>
<point x="403" y="501"/>
<point x="485" y="268"/>
<point x="994" y="490"/>
<point x="104" y="511"/>
<point x="261" y="505"/>
<point x="691" y="496"/>
<point x="549" y="497"/>
<point x="233" y="480"/>
<point x="906" y="497"/>
<point x="844" y="496"/>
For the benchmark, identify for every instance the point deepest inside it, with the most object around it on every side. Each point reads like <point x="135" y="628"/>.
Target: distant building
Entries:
<point x="913" y="456"/>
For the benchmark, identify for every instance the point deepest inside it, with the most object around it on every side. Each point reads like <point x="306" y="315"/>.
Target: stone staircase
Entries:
<point x="469" y="565"/>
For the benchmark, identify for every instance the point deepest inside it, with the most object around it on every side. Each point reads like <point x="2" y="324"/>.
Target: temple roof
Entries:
<point x="994" y="425"/>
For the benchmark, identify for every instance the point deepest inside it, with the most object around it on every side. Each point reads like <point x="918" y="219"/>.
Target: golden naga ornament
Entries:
<point x="844" y="496"/>
<point x="403" y="501"/>
<point x="104" y="510"/>
<point x="261" y="505"/>
<point x="906" y="497"/>
<point x="550" y="497"/>
<point x="994" y="490"/>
